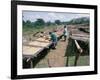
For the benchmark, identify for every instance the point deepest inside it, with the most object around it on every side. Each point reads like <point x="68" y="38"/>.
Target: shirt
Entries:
<point x="53" y="37"/>
<point x="65" y="31"/>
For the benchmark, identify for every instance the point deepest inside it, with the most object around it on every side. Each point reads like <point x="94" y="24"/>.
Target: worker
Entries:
<point x="65" y="33"/>
<point x="53" y="39"/>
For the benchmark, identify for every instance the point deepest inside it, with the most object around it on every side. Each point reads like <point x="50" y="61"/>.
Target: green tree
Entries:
<point x="57" y="22"/>
<point x="28" y="23"/>
<point x="39" y="22"/>
<point x="82" y="20"/>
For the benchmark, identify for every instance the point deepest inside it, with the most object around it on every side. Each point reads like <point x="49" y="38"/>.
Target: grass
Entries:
<point x="72" y="50"/>
<point x="82" y="61"/>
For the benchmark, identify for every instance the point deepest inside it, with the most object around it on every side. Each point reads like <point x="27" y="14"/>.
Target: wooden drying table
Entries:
<point x="77" y="35"/>
<point x="33" y="48"/>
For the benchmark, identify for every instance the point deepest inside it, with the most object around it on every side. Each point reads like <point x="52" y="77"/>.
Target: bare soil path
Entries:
<point x="55" y="58"/>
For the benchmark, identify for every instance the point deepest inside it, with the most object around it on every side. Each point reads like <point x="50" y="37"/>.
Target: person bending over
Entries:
<point x="54" y="39"/>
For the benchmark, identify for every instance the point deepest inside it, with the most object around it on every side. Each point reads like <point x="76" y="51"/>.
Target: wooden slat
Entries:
<point x="77" y="54"/>
<point x="36" y="46"/>
<point x="78" y="46"/>
<point x="30" y="51"/>
<point x="42" y="40"/>
<point x="80" y="35"/>
<point x="80" y="38"/>
<point x="38" y="43"/>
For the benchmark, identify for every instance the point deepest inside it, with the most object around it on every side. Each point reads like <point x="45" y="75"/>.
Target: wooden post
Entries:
<point x="48" y="63"/>
<point x="78" y="54"/>
<point x="30" y="61"/>
<point x="67" y="61"/>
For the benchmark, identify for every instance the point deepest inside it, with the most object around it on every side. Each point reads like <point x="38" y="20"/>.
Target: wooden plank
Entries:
<point x="77" y="54"/>
<point x="30" y="51"/>
<point x="42" y="40"/>
<point x="39" y="43"/>
<point x="78" y="46"/>
<point x="80" y="38"/>
<point x="81" y="35"/>
<point x="36" y="46"/>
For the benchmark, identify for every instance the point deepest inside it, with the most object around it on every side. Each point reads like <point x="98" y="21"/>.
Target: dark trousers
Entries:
<point x="65" y="37"/>
<point x="54" y="45"/>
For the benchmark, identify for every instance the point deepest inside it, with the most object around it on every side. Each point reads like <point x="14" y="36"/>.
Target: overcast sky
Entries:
<point x="50" y="16"/>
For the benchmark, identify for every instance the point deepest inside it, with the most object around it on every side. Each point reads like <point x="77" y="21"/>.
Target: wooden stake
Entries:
<point x="78" y="54"/>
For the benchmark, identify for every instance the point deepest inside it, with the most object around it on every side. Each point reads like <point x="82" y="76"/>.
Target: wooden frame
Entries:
<point x="14" y="38"/>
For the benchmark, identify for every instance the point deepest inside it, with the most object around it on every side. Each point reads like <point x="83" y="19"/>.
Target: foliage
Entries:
<point x="48" y="23"/>
<point x="58" y="22"/>
<point x="82" y="20"/>
<point x="39" y="22"/>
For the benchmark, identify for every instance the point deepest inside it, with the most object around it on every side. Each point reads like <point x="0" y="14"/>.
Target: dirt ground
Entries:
<point x="55" y="58"/>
